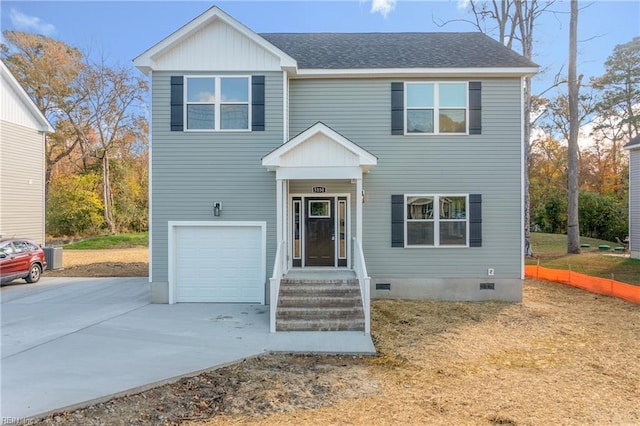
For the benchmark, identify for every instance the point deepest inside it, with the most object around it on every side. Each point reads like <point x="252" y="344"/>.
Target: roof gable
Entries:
<point x="17" y="107"/>
<point x="229" y="44"/>
<point x="633" y="143"/>
<point x="319" y="147"/>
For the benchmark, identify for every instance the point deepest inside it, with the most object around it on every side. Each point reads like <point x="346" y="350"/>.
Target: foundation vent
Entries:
<point x="383" y="286"/>
<point x="487" y="286"/>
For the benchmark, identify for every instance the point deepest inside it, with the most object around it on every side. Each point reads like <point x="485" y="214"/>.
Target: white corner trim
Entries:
<point x="172" y="225"/>
<point x="150" y="189"/>
<point x="522" y="178"/>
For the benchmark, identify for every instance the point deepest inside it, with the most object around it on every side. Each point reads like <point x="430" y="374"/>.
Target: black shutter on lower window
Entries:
<point x="177" y="103"/>
<point x="397" y="220"/>
<point x="397" y="108"/>
<point x="475" y="108"/>
<point x="257" y="103"/>
<point x="475" y="220"/>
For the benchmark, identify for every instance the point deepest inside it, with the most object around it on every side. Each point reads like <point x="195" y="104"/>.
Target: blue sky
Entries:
<point x="121" y="30"/>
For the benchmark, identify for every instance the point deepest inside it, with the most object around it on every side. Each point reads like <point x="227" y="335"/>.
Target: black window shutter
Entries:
<point x="397" y="108"/>
<point x="475" y="220"/>
<point x="475" y="108"/>
<point x="177" y="103"/>
<point x="257" y="103"/>
<point x="397" y="220"/>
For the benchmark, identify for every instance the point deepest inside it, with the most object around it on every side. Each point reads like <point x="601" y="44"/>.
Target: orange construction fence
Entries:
<point x="628" y="292"/>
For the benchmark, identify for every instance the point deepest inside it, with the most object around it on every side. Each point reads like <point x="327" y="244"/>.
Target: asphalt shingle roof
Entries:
<point x="396" y="50"/>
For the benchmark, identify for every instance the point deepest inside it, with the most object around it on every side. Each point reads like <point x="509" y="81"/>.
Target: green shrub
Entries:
<point x="602" y="216"/>
<point x="74" y="207"/>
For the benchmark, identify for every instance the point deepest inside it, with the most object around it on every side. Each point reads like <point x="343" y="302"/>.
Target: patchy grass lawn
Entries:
<point x="552" y="252"/>
<point x="120" y="241"/>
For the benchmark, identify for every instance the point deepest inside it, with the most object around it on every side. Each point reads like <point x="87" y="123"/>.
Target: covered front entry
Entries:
<point x="319" y="231"/>
<point x="318" y="176"/>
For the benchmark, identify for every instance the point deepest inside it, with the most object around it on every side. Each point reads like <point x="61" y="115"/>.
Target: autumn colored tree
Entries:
<point x="115" y="121"/>
<point x="96" y="109"/>
<point x="48" y="70"/>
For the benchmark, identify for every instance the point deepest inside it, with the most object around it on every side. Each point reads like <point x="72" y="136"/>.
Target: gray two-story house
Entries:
<point x="388" y="164"/>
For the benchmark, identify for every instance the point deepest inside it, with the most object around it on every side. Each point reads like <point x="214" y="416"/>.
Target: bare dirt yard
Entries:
<point x="563" y="356"/>
<point x="128" y="262"/>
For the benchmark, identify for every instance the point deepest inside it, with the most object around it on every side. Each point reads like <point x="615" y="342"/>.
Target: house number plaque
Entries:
<point x="318" y="189"/>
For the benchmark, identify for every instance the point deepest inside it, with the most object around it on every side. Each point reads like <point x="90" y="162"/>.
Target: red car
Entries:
<point x="21" y="258"/>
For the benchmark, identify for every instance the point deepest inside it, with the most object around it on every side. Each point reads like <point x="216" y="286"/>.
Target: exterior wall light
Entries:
<point x="217" y="208"/>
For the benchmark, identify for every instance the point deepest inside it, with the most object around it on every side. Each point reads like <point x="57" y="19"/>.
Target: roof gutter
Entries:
<point x="412" y="72"/>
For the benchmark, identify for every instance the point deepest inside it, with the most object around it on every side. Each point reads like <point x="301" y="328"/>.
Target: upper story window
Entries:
<point x="217" y="103"/>
<point x="436" y="220"/>
<point x="436" y="108"/>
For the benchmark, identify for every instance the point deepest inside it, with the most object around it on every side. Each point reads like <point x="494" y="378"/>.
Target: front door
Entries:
<point x="319" y="232"/>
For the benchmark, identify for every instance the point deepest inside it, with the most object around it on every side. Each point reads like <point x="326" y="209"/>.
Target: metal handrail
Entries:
<point x="360" y="268"/>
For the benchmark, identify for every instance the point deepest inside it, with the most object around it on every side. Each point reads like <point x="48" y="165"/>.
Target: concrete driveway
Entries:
<point x="68" y="342"/>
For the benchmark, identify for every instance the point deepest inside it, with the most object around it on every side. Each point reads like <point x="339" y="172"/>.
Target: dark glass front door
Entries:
<point x="319" y="232"/>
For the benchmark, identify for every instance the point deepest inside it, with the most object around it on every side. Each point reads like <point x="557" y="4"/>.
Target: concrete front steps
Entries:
<point x="319" y="304"/>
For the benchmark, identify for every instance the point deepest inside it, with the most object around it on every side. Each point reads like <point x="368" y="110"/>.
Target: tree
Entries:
<point x="48" y="70"/>
<point x="620" y="86"/>
<point x="573" y="229"/>
<point x="115" y="122"/>
<point x="515" y="22"/>
<point x="94" y="107"/>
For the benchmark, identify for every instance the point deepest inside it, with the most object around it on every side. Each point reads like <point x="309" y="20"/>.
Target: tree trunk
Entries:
<point x="573" y="228"/>
<point x="107" y="197"/>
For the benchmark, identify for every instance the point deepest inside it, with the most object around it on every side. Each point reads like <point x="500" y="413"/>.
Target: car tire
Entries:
<point x="34" y="274"/>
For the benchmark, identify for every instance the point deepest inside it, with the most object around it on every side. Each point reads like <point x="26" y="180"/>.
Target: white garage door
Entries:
<point x="219" y="263"/>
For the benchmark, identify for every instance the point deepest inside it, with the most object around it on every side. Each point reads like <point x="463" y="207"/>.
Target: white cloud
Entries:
<point x="31" y="24"/>
<point x="462" y="4"/>
<point x="384" y="7"/>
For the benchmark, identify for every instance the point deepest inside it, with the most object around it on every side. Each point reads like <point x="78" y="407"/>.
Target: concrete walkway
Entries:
<point x="67" y="342"/>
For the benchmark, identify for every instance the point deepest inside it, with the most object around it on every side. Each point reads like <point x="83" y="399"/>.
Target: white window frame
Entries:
<point x="436" y="221"/>
<point x="436" y="108"/>
<point x="217" y="104"/>
<point x="326" y="202"/>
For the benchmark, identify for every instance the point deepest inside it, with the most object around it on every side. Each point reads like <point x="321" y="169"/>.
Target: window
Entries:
<point x="436" y="108"/>
<point x="217" y="103"/>
<point x="319" y="209"/>
<point x="7" y="249"/>
<point x="20" y="246"/>
<point x="436" y="220"/>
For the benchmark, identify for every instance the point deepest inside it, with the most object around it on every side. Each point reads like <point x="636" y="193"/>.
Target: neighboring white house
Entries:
<point x="22" y="163"/>
<point x="634" y="196"/>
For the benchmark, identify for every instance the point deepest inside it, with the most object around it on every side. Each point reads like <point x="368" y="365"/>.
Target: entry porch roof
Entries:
<point x="319" y="153"/>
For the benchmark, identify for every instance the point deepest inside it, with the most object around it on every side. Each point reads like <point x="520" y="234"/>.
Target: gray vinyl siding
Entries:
<point x="487" y="164"/>
<point x="191" y="170"/>
<point x="21" y="182"/>
<point x="634" y="200"/>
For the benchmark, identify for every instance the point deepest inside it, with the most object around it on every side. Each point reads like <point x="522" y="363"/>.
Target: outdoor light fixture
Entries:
<point x="217" y="208"/>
